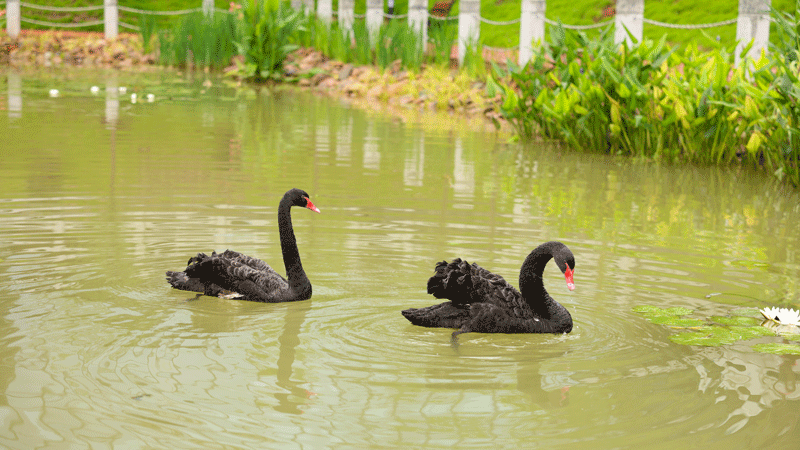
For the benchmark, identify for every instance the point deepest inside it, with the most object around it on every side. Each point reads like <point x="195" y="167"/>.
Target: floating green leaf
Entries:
<point x="677" y="311"/>
<point x="714" y="336"/>
<point x="747" y="312"/>
<point x="778" y="348"/>
<point x="675" y="321"/>
<point x="646" y="309"/>
<point x="707" y="337"/>
<point x="744" y="333"/>
<point x="736" y="320"/>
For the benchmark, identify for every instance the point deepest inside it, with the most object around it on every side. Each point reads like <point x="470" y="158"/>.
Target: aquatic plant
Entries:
<point x="442" y="35"/>
<point x="653" y="101"/>
<point x="147" y="29"/>
<point x="715" y="331"/>
<point x="669" y="316"/>
<point x="267" y="37"/>
<point x="200" y="40"/>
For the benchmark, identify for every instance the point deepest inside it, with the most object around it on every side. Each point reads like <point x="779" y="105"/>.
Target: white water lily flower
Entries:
<point x="783" y="316"/>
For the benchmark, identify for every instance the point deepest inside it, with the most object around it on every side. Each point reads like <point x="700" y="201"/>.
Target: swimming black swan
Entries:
<point x="251" y="278"/>
<point x="483" y="302"/>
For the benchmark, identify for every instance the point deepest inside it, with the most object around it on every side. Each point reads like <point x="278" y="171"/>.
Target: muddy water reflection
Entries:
<point x="100" y="196"/>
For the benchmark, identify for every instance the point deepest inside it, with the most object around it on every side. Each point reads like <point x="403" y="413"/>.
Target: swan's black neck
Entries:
<point x="295" y="274"/>
<point x="531" y="285"/>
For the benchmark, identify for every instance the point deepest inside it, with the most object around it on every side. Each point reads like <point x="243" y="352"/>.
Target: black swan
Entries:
<point x="483" y="302"/>
<point x="241" y="276"/>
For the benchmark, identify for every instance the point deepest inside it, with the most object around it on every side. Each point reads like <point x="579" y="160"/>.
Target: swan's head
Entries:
<point x="300" y="197"/>
<point x="566" y="263"/>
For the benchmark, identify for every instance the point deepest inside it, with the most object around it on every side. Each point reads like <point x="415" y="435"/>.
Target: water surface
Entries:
<point x="101" y="195"/>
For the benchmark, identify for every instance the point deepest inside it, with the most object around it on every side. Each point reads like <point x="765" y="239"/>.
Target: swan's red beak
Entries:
<point x="311" y="206"/>
<point x="568" y="276"/>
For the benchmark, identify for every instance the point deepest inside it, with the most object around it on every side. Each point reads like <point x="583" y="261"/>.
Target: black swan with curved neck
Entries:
<point x="483" y="302"/>
<point x="241" y="276"/>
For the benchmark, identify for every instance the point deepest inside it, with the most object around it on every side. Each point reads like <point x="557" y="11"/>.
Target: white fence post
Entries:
<point x="374" y="16"/>
<point x="418" y="19"/>
<point x="630" y="15"/>
<point x="752" y="25"/>
<point x="12" y="18"/>
<point x="208" y="7"/>
<point x="469" y="26"/>
<point x="531" y="28"/>
<point x="14" y="94"/>
<point x="309" y="5"/>
<point x="325" y="10"/>
<point x="111" y="19"/>
<point x="346" y="16"/>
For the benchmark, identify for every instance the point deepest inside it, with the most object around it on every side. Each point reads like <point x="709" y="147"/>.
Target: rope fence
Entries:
<point x="752" y="22"/>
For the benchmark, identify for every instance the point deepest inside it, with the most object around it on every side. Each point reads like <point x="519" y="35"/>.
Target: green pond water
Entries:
<point x="99" y="196"/>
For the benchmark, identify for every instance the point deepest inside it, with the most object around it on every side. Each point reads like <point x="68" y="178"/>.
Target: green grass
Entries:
<point x="573" y="12"/>
<point x="89" y="16"/>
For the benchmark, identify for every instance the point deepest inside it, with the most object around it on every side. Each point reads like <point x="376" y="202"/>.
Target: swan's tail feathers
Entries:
<point x="179" y="280"/>
<point x="191" y="279"/>
<point x="452" y="281"/>
<point x="445" y="315"/>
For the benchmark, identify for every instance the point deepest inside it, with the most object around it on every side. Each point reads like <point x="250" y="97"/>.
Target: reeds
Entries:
<point x="197" y="40"/>
<point x="264" y="32"/>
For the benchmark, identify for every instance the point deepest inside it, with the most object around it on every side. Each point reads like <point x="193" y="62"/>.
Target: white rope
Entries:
<point x="129" y="26"/>
<point x="61" y="25"/>
<point x="435" y="17"/>
<point x="689" y="27"/>
<point x="60" y="8"/>
<point x="500" y="49"/>
<point x="159" y="13"/>
<point x="579" y="27"/>
<point x="495" y="22"/>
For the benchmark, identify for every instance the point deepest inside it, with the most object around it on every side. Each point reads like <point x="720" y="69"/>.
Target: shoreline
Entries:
<point x="434" y="89"/>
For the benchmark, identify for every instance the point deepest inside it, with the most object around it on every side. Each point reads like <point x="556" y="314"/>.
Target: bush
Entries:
<point x="657" y="102"/>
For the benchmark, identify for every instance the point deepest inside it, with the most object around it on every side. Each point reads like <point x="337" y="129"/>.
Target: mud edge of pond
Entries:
<point x="396" y="90"/>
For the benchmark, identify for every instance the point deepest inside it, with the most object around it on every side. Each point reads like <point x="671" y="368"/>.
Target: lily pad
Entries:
<point x="778" y="348"/>
<point x="736" y="320"/>
<point x="668" y="316"/>
<point x="714" y="336"/>
<point x="677" y="311"/>
<point x="646" y="309"/>
<point x="675" y="321"/>
<point x="744" y="333"/>
<point x="707" y="337"/>
<point x="747" y="312"/>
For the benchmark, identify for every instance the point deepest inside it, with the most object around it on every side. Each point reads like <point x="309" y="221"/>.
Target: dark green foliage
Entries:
<point x="267" y="37"/>
<point x="199" y="40"/>
<point x="653" y="101"/>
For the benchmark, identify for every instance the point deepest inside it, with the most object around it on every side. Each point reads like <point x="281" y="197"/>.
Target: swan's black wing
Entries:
<point x="182" y="281"/>
<point x="254" y="263"/>
<point x="464" y="283"/>
<point x="235" y="272"/>
<point x="445" y="315"/>
<point x="466" y="286"/>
